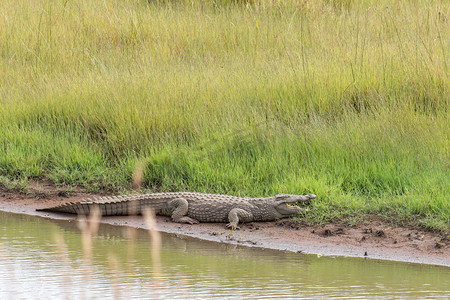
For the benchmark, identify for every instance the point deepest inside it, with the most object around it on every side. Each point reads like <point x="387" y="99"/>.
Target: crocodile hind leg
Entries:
<point x="181" y="208"/>
<point x="238" y="214"/>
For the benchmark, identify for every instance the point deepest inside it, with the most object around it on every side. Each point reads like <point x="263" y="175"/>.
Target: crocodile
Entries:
<point x="192" y="208"/>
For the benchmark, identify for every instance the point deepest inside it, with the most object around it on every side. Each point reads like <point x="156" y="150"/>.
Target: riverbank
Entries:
<point x="371" y="240"/>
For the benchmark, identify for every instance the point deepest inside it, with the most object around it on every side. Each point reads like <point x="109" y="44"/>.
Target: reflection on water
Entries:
<point x="34" y="264"/>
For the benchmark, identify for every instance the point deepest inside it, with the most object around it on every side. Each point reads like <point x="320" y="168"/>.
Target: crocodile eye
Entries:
<point x="280" y="197"/>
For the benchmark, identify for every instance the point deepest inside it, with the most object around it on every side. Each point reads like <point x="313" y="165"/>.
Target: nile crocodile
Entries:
<point x="192" y="208"/>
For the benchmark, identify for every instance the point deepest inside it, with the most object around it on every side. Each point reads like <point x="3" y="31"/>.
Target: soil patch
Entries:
<point x="375" y="240"/>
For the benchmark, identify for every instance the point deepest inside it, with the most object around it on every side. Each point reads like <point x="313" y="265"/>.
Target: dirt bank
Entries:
<point x="374" y="241"/>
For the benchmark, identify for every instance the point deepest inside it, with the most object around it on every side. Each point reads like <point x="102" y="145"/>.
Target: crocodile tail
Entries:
<point x="71" y="208"/>
<point x="109" y="207"/>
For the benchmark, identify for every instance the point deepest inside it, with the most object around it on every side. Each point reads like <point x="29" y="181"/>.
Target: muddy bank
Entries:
<point x="372" y="241"/>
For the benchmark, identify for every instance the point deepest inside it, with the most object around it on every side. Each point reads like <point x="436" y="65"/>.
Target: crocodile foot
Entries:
<point x="233" y="226"/>
<point x="186" y="220"/>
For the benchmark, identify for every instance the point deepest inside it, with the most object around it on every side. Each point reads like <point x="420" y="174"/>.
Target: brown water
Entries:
<point x="32" y="266"/>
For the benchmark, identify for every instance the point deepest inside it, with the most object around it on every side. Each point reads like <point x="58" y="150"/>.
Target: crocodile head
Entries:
<point x="283" y="201"/>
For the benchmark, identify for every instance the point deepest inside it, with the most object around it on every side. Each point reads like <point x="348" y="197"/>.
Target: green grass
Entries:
<point x="345" y="99"/>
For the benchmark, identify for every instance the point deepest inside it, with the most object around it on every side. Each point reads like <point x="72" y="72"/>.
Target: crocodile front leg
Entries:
<point x="238" y="214"/>
<point x="181" y="207"/>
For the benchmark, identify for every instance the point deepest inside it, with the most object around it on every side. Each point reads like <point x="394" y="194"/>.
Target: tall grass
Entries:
<point x="346" y="99"/>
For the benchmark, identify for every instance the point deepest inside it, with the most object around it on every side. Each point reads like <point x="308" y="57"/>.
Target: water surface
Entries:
<point x="44" y="258"/>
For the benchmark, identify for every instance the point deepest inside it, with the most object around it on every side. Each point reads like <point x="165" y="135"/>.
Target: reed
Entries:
<point x="64" y="263"/>
<point x="116" y="275"/>
<point x="88" y="230"/>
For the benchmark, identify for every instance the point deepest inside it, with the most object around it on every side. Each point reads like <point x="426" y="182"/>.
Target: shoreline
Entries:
<point x="371" y="241"/>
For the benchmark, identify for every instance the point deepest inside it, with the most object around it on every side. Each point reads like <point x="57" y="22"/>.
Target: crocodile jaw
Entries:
<point x="287" y="210"/>
<point x="284" y="202"/>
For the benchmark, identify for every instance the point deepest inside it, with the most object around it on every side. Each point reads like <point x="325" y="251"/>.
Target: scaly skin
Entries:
<point x="192" y="208"/>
